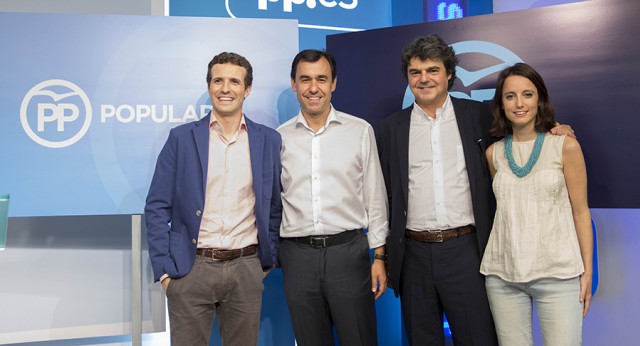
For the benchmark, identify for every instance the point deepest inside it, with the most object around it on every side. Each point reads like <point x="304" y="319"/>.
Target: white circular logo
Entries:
<point x="54" y="108"/>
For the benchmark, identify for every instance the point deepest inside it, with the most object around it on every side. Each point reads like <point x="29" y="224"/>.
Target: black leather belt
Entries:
<point x="323" y="241"/>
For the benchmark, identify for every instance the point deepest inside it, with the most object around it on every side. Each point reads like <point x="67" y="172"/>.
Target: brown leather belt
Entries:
<point x="227" y="255"/>
<point x="439" y="236"/>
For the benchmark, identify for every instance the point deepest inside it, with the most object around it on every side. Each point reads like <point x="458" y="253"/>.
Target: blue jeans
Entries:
<point x="557" y="304"/>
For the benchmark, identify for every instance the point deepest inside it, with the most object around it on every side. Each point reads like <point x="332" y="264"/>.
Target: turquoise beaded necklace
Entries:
<point x="533" y="158"/>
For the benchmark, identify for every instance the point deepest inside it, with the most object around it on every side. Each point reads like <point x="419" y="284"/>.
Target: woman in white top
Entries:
<point x="541" y="245"/>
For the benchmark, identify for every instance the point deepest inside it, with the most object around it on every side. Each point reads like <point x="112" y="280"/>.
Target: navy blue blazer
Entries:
<point x="175" y="202"/>
<point x="474" y="121"/>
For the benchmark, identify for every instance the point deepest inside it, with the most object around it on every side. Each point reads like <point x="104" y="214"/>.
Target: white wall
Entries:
<point x="134" y="7"/>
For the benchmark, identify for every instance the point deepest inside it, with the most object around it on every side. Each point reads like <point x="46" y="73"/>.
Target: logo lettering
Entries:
<point x="52" y="123"/>
<point x="49" y="112"/>
<point x="156" y="113"/>
<point x="287" y="5"/>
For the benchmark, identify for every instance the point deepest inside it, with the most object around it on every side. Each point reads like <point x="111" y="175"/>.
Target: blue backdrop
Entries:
<point x="588" y="60"/>
<point x="86" y="101"/>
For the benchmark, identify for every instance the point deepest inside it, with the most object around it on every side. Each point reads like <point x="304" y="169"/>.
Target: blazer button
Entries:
<point x="405" y="213"/>
<point x="199" y="213"/>
<point x="193" y="241"/>
<point x="401" y="241"/>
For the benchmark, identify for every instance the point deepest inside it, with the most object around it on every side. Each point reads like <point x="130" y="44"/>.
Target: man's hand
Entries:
<point x="266" y="272"/>
<point x="165" y="283"/>
<point x="560" y="130"/>
<point x="378" y="278"/>
<point x="379" y="272"/>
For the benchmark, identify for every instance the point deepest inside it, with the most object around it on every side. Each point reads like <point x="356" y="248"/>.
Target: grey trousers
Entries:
<point x="330" y="286"/>
<point x="231" y="289"/>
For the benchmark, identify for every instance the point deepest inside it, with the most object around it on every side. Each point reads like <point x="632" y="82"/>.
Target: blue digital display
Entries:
<point x="444" y="10"/>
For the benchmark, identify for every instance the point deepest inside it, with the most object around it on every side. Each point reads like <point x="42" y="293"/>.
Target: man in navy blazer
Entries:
<point x="213" y="213"/>
<point x="441" y="205"/>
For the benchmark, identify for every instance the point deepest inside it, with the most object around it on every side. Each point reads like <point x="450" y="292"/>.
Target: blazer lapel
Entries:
<point x="402" y="136"/>
<point x="256" y="150"/>
<point x="467" y="135"/>
<point x="201" y="138"/>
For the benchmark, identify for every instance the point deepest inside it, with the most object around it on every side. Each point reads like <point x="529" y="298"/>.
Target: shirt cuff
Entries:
<point x="375" y="240"/>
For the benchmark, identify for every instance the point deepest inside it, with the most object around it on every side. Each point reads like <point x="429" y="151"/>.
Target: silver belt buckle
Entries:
<point x="322" y="242"/>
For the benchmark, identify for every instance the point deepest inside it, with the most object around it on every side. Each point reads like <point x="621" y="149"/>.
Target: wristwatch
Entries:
<point x="377" y="256"/>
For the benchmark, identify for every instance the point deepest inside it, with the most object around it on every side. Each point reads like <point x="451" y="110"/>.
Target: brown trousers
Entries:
<point x="231" y="289"/>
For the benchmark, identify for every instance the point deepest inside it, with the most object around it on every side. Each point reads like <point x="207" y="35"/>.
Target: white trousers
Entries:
<point x="557" y="304"/>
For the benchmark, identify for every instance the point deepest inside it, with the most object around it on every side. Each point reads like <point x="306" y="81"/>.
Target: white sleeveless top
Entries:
<point x="533" y="233"/>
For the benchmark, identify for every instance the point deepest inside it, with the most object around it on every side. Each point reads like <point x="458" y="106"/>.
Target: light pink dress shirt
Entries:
<point x="228" y="221"/>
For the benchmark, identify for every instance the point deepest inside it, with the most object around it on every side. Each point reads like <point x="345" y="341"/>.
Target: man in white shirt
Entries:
<point x="332" y="189"/>
<point x="441" y="201"/>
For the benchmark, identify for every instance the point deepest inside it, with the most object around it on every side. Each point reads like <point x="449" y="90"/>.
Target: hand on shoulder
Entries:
<point x="560" y="130"/>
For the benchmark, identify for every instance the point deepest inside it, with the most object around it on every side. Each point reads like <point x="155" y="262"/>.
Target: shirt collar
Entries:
<point x="215" y="124"/>
<point x="444" y="112"/>
<point x="333" y="117"/>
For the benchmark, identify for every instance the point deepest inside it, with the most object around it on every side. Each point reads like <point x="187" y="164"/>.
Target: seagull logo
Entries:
<point x="51" y="112"/>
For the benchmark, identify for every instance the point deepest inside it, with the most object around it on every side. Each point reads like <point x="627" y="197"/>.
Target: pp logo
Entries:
<point x="311" y="14"/>
<point x="288" y="4"/>
<point x="467" y="77"/>
<point x="55" y="113"/>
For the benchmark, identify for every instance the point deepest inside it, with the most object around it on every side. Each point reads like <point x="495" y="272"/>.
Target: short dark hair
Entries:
<point x="545" y="119"/>
<point x="431" y="47"/>
<point x="231" y="58"/>
<point x="313" y="55"/>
